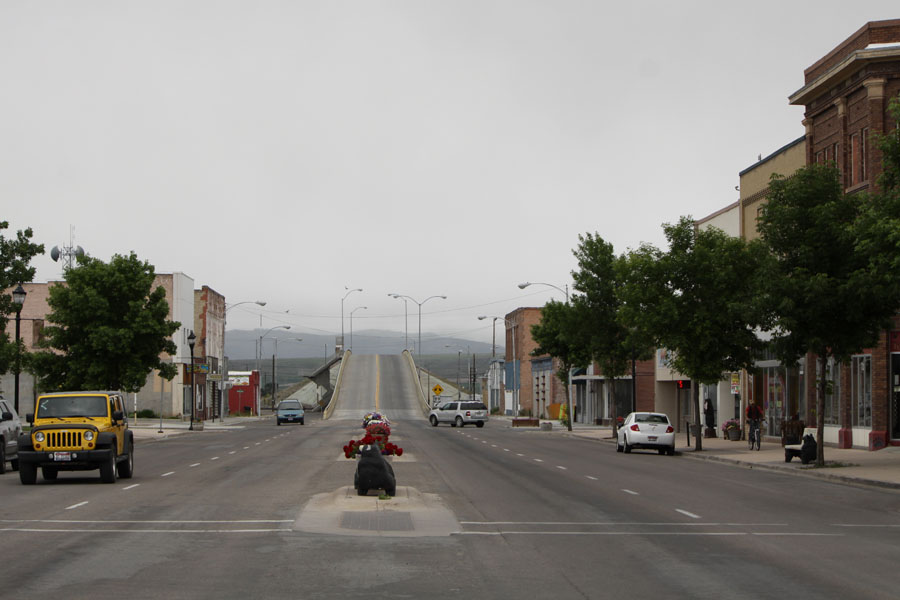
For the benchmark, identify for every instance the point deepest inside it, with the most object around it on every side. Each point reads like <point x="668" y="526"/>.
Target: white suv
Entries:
<point x="459" y="413"/>
<point x="10" y="428"/>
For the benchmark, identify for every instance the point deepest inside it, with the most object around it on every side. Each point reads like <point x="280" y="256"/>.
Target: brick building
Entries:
<point x="846" y="95"/>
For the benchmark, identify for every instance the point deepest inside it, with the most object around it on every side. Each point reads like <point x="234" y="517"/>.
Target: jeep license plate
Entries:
<point x="64" y="456"/>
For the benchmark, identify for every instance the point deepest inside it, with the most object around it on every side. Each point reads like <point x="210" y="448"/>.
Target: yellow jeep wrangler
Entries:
<point x="77" y="431"/>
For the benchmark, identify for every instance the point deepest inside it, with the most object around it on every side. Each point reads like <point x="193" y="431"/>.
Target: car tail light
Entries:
<point x="670" y="429"/>
<point x="468" y="413"/>
<point x="635" y="427"/>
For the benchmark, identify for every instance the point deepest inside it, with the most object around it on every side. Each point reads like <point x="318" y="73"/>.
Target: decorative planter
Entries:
<point x="734" y="435"/>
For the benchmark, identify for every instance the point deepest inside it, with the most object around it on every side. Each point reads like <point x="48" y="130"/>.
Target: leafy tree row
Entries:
<point x="823" y="278"/>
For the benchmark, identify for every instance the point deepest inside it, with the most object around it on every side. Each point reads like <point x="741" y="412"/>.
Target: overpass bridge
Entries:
<point x="383" y="383"/>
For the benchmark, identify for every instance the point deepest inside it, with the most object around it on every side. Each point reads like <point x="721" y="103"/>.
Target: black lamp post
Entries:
<point x="191" y="339"/>
<point x="18" y="299"/>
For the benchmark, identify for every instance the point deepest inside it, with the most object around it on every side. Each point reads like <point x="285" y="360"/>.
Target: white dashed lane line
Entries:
<point x="214" y="458"/>
<point x="631" y="492"/>
<point x="592" y="478"/>
<point x="167" y="474"/>
<point x="130" y="487"/>
<point x="195" y="465"/>
<point x="76" y="505"/>
<point x="686" y="513"/>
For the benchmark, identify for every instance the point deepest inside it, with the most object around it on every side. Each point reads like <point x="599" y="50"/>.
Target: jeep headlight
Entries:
<point x="39" y="436"/>
<point x="89" y="435"/>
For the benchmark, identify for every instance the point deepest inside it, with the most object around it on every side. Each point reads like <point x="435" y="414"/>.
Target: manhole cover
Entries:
<point x="377" y="520"/>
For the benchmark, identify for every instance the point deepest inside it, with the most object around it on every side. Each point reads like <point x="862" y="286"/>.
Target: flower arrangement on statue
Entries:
<point x="730" y="424"/>
<point x="378" y="430"/>
<point x="375" y="417"/>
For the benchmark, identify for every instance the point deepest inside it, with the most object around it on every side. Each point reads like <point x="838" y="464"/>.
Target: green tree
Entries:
<point x="835" y="282"/>
<point x="560" y="335"/>
<point x="108" y="328"/>
<point x="699" y="300"/>
<point x="613" y="343"/>
<point x="15" y="259"/>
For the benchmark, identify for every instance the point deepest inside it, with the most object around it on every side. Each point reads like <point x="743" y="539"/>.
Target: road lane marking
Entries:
<point x="232" y="452"/>
<point x="689" y="514"/>
<point x="258" y="443"/>
<point x="214" y="458"/>
<point x="561" y="467"/>
<point x="493" y="445"/>
<point x="517" y="454"/>
<point x="195" y="465"/>
<point x="589" y="477"/>
<point x="631" y="492"/>
<point x="538" y="460"/>
<point x="167" y="474"/>
<point x="76" y="505"/>
<point x="246" y="447"/>
<point x="130" y="487"/>
<point x="506" y="449"/>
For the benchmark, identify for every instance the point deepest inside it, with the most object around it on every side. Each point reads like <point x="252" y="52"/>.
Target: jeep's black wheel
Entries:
<point x="301" y="422"/>
<point x="2" y="456"/>
<point x="108" y="469"/>
<point x="27" y="474"/>
<point x="126" y="467"/>
<point x="49" y="473"/>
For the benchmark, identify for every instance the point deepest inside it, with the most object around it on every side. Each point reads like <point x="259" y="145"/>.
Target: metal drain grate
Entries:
<point x="377" y="520"/>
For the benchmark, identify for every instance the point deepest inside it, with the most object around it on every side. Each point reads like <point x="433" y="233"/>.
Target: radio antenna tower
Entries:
<point x="69" y="254"/>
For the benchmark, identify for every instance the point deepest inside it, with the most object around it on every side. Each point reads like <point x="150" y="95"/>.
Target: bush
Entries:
<point x="146" y="414"/>
<point x="495" y="410"/>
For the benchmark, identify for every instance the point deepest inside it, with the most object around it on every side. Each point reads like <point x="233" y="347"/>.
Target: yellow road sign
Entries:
<point x="437" y="389"/>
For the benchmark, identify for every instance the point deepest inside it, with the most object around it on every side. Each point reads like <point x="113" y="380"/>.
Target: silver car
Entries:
<point x="459" y="413"/>
<point x="10" y="429"/>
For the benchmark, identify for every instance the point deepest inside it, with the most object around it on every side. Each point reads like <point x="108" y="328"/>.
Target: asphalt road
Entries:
<point x="496" y="512"/>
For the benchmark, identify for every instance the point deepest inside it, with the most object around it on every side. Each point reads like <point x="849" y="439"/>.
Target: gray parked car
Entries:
<point x="10" y="428"/>
<point x="459" y="413"/>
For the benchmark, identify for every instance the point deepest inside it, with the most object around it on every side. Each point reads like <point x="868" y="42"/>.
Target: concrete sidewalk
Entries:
<point x="880" y="468"/>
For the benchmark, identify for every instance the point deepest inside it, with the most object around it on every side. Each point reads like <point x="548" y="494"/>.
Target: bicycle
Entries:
<point x="755" y="436"/>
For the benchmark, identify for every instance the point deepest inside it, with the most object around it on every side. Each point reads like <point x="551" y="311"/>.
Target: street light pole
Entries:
<point x="18" y="300"/>
<point x="351" y="322"/>
<point x="512" y="326"/>
<point x="191" y="340"/>
<point x="342" y="313"/>
<point x="524" y="285"/>
<point x="273" y="366"/>
<point x="420" y="313"/>
<point x="405" y="320"/>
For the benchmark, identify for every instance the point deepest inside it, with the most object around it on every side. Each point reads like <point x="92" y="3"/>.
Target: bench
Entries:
<point x="806" y="449"/>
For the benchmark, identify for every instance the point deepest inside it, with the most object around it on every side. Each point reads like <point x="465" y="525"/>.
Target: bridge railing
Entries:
<point x="337" y="387"/>
<point x="423" y="403"/>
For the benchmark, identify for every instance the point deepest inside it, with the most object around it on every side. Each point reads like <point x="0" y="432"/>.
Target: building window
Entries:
<point x="861" y="390"/>
<point x="820" y="158"/>
<point x="854" y="159"/>
<point x="832" y="391"/>
<point x="863" y="144"/>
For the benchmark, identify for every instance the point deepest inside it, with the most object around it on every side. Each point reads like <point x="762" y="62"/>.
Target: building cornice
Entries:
<point x="841" y="71"/>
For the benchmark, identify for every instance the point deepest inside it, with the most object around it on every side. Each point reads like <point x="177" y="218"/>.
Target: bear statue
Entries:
<point x="373" y="472"/>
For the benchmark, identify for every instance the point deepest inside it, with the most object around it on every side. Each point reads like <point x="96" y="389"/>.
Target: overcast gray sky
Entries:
<point x="282" y="150"/>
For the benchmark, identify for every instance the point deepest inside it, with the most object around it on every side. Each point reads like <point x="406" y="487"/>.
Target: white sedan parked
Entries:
<point x="646" y="430"/>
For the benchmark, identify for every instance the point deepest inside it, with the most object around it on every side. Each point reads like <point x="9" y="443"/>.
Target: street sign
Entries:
<point x="437" y="389"/>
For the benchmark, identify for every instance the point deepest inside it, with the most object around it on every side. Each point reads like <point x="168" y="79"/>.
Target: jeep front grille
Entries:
<point x="63" y="439"/>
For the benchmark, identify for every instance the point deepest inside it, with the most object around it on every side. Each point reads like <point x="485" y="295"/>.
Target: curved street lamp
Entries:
<point x="351" y="322"/>
<point x="524" y="285"/>
<point x="512" y="325"/>
<point x="258" y="396"/>
<point x="420" y="313"/>
<point x="342" y="312"/>
<point x="405" y="319"/>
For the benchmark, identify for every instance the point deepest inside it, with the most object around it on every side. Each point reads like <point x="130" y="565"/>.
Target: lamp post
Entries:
<point x="191" y="340"/>
<point x="351" y="322"/>
<point x="225" y="394"/>
<point x="419" y="350"/>
<point x="524" y="285"/>
<point x="18" y="300"/>
<point x="274" y="364"/>
<point x="458" y="357"/>
<point x="512" y="325"/>
<point x="342" y="313"/>
<point x="405" y="320"/>
<point x="260" y="356"/>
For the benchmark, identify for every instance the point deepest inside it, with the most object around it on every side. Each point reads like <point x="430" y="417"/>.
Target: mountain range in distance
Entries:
<point x="242" y="344"/>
